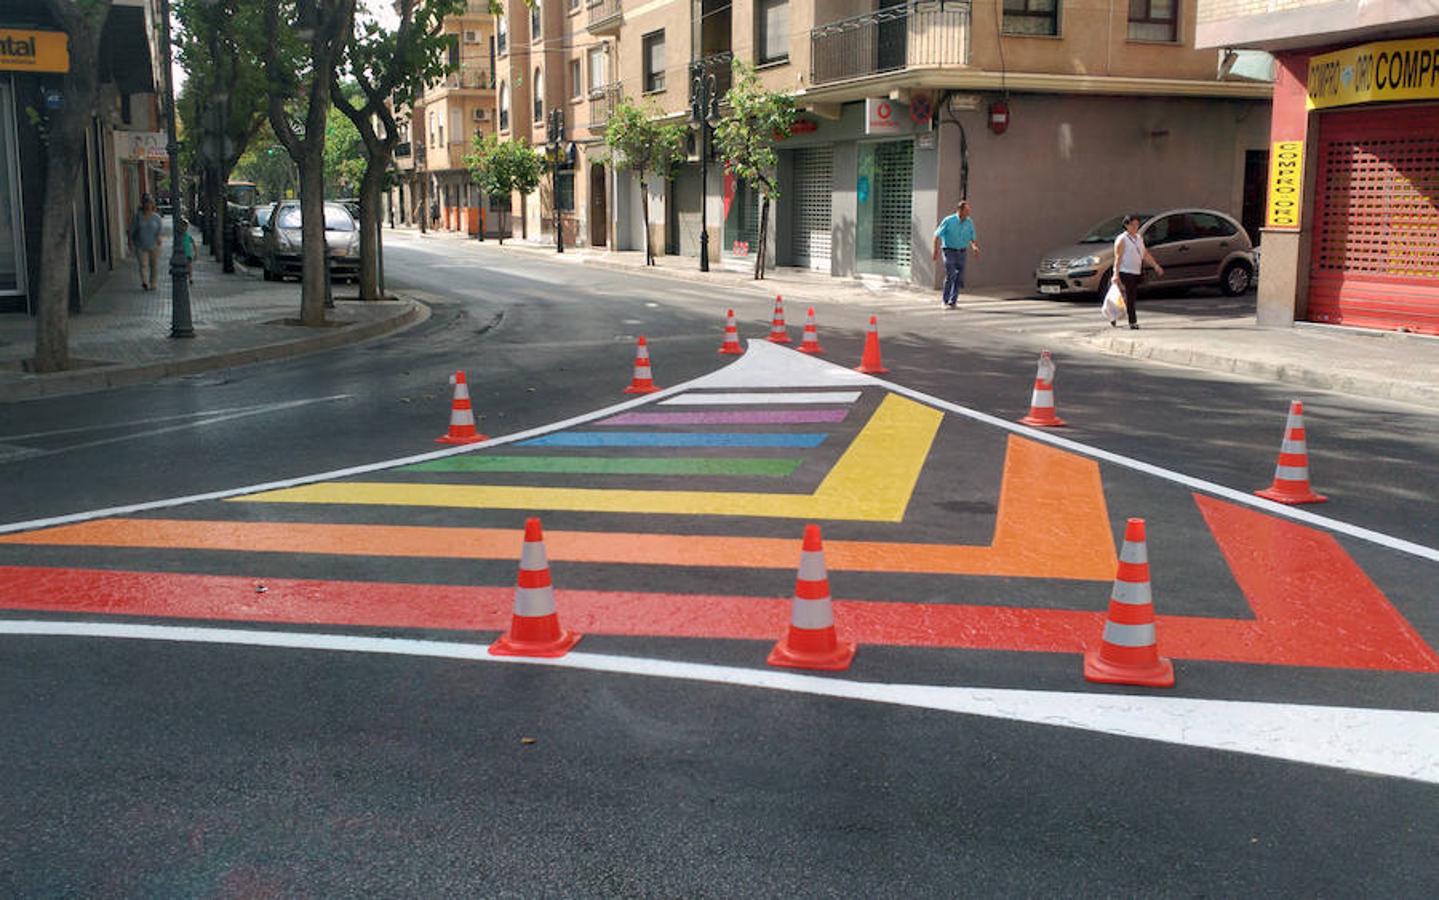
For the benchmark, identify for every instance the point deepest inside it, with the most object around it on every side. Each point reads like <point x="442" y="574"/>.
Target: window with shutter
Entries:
<point x="772" y="26"/>
<point x="653" y="45"/>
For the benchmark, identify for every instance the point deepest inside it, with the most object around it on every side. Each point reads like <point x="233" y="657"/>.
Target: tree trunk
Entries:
<point x="312" y="223"/>
<point x="503" y="214"/>
<point x="424" y="205"/>
<point x="763" y="237"/>
<point x="215" y="204"/>
<point x="370" y="185"/>
<point x="645" y="215"/>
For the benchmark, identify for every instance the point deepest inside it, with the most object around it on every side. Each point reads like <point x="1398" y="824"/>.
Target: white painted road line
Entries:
<point x="740" y="398"/>
<point x="1396" y="743"/>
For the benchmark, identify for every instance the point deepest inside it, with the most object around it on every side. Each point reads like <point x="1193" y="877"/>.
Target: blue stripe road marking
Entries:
<point x="656" y="439"/>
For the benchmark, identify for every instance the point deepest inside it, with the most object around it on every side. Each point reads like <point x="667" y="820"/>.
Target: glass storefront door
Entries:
<point x="12" y="238"/>
<point x="884" y="193"/>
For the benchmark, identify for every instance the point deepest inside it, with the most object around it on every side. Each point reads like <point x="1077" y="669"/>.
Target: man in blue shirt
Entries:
<point x="955" y="235"/>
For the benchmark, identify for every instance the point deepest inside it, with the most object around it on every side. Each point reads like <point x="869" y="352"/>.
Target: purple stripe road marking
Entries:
<point x="730" y="417"/>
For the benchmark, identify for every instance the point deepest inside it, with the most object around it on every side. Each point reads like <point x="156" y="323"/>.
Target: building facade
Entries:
<point x="441" y="125"/>
<point x="1351" y="232"/>
<point x="124" y="145"/>
<point x="1048" y="115"/>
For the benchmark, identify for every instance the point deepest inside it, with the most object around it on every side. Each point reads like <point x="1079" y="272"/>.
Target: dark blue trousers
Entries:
<point x="953" y="274"/>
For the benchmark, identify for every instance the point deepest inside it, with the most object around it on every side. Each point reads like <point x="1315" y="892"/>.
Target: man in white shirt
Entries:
<point x="1130" y="255"/>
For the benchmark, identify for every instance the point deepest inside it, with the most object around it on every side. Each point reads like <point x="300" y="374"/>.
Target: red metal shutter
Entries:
<point x="1375" y="260"/>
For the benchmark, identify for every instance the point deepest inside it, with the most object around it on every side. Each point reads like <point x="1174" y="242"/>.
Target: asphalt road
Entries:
<point x="167" y="768"/>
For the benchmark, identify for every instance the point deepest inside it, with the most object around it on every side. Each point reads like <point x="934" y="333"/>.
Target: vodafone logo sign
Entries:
<point x="884" y="116"/>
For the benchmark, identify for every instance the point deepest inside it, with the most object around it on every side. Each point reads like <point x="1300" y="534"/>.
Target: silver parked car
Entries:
<point x="252" y="233"/>
<point x="284" y="254"/>
<point x="1195" y="247"/>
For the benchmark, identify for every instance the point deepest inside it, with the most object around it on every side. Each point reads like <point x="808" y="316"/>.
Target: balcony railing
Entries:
<point x="917" y="34"/>
<point x="603" y="102"/>
<point x="472" y="78"/>
<point x="605" y="16"/>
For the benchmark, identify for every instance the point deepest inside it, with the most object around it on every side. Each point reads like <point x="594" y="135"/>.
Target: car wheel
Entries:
<point x="268" y="275"/>
<point x="1236" y="279"/>
<point x="1103" y="287"/>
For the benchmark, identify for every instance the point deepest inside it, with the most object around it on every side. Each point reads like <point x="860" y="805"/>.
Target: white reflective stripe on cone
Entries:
<point x="532" y="556"/>
<point x="462" y="391"/>
<point x="812" y="615"/>
<point x="1042" y="399"/>
<point x="1132" y="593"/>
<point x="534" y="601"/>
<point x="1289" y="446"/>
<point x="1291" y="473"/>
<point x="462" y="417"/>
<point x="811" y="565"/>
<point x="1129" y="635"/>
<point x="1134" y="552"/>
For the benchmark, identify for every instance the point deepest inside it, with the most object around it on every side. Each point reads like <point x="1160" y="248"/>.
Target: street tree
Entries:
<point x="299" y="104"/>
<point x="344" y="155"/>
<point x="746" y="136"/>
<point x="501" y="168"/>
<point x="63" y="130"/>
<point x="386" y="65"/>
<point x="639" y="141"/>
<point x="268" y="165"/>
<point x="223" y="105"/>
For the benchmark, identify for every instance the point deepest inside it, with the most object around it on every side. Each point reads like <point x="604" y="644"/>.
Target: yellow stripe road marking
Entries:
<point x="872" y="481"/>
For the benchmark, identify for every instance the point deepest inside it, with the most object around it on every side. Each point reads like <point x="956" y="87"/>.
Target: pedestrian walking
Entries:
<point x="956" y="237"/>
<point x="1130" y="255"/>
<point x="145" y="241"/>
<point x="187" y="246"/>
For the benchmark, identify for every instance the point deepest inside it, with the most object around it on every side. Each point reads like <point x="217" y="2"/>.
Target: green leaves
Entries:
<point x="746" y="135"/>
<point x="640" y="142"/>
<point x="503" y="167"/>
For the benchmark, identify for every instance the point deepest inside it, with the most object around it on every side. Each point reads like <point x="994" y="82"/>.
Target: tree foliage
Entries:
<point x="501" y="168"/>
<point x="640" y="142"/>
<point x="746" y="137"/>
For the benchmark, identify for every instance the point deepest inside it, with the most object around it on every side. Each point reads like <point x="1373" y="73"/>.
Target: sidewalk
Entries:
<point x="1204" y="331"/>
<point x="122" y="337"/>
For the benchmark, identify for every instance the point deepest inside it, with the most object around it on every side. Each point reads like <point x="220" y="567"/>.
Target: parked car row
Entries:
<point x="1195" y="247"/>
<point x="270" y="236"/>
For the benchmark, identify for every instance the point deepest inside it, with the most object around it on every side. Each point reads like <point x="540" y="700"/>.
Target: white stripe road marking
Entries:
<point x="1397" y="743"/>
<point x="149" y="420"/>
<point x="769" y="365"/>
<point x="737" y="398"/>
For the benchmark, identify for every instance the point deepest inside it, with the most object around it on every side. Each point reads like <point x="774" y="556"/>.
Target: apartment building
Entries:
<point x="441" y="125"/>
<point x="124" y="153"/>
<point x="1351" y="233"/>
<point x="1049" y="115"/>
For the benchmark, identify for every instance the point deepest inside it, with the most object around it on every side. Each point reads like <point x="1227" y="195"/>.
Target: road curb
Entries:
<point x="1280" y="373"/>
<point x="100" y="378"/>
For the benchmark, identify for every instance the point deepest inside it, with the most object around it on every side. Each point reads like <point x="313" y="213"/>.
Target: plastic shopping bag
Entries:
<point x="1113" y="306"/>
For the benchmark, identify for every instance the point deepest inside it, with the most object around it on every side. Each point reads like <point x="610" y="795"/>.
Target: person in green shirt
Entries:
<point x="187" y="246"/>
<point x="955" y="236"/>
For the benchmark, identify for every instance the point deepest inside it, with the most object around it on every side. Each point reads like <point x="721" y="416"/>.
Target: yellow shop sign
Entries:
<point x="1375" y="73"/>
<point x="34" y="51"/>
<point x="1286" y="184"/>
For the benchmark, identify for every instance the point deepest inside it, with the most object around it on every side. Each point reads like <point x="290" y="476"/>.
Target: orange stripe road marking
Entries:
<point x="1052" y="523"/>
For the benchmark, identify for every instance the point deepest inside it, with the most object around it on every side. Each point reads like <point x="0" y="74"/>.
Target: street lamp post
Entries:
<point x="704" y="115"/>
<point x="181" y="325"/>
<point x="556" y="132"/>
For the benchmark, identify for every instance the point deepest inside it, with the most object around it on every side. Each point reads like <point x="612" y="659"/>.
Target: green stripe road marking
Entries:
<point x="609" y="466"/>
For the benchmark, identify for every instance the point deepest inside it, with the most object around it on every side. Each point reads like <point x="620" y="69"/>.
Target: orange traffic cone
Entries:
<point x="462" y="416"/>
<point x="535" y="627"/>
<point x="1291" y="474"/>
<point x="1127" y="653"/>
<point x="810" y="344"/>
<point x="869" y="361"/>
<point x="810" y="642"/>
<point x="642" y="382"/>
<point x="731" y="346"/>
<point x="1041" y="402"/>
<point x="778" y="332"/>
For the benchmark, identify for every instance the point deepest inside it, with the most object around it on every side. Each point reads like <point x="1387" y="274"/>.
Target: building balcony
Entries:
<point x="919" y="34"/>
<point x="605" y="16"/>
<point x="603" y="101"/>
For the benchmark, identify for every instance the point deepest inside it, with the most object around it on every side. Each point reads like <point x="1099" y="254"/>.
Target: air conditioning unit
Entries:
<point x="472" y="37"/>
<point x="481" y="114"/>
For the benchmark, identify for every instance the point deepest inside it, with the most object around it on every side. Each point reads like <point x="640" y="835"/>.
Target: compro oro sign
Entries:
<point x="34" y="51"/>
<point x="883" y="116"/>
<point x="1375" y="73"/>
<point x="1286" y="184"/>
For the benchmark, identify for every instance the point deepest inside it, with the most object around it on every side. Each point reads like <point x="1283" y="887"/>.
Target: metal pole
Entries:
<point x="180" y="324"/>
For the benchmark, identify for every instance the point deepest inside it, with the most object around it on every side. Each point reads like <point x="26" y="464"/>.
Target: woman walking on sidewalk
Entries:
<point x="145" y="240"/>
<point x="1130" y="255"/>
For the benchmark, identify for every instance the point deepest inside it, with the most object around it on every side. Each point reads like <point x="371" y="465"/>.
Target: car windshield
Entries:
<point x="1105" y="232"/>
<point x="262" y="215"/>
<point x="336" y="218"/>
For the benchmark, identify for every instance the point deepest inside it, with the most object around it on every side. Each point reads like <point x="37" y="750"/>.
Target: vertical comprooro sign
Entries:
<point x="34" y="51"/>
<point x="1286" y="184"/>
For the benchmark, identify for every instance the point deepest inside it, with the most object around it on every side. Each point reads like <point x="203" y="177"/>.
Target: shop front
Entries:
<point x="1354" y="186"/>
